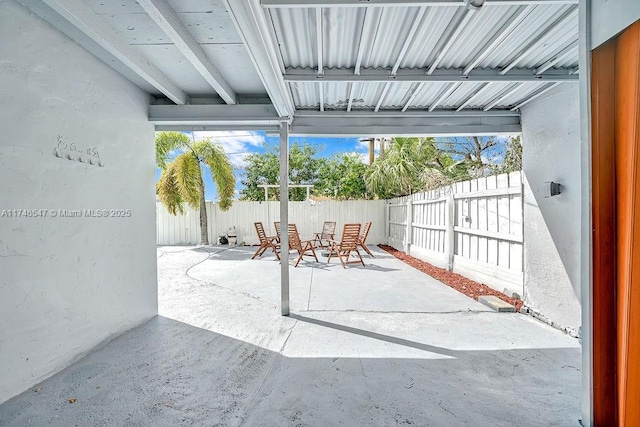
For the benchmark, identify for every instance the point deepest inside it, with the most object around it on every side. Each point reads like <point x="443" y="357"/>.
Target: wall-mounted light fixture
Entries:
<point x="552" y="189"/>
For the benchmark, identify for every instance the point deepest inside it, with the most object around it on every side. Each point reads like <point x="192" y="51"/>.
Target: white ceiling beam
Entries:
<point x="265" y="117"/>
<point x="255" y="115"/>
<point x="288" y="4"/>
<point x="502" y="96"/>
<point x="535" y="95"/>
<point x="81" y="17"/>
<point x="320" y="54"/>
<point x="534" y="39"/>
<point x="405" y="126"/>
<point x="269" y="129"/>
<point x="504" y="32"/>
<point x="395" y="130"/>
<point x="415" y="75"/>
<point x="319" y="39"/>
<point x="444" y="95"/>
<point x="351" y="93"/>
<point x="395" y="114"/>
<point x="561" y="56"/>
<point x="407" y="42"/>
<point x="254" y="29"/>
<point x="321" y="96"/>
<point x="450" y="37"/>
<point x="169" y="22"/>
<point x="382" y="96"/>
<point x="403" y="51"/>
<point x="365" y="35"/>
<point x="477" y="93"/>
<point x="413" y="96"/>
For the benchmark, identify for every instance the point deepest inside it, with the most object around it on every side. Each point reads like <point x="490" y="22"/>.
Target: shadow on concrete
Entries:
<point x="168" y="373"/>
<point x="370" y="266"/>
<point x="336" y="266"/>
<point x="377" y="336"/>
<point x="240" y="253"/>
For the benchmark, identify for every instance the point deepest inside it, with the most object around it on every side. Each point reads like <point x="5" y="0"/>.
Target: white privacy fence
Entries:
<point x="474" y="228"/>
<point x="308" y="217"/>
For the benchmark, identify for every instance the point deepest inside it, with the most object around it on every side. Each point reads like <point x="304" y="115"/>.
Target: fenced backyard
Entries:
<point x="474" y="228"/>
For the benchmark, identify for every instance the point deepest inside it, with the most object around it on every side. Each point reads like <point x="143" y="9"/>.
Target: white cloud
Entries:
<point x="245" y="137"/>
<point x="237" y="144"/>
<point x="364" y="157"/>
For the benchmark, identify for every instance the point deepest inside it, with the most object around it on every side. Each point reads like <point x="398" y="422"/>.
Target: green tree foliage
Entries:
<point x="264" y="168"/>
<point x="410" y="165"/>
<point x="342" y="177"/>
<point x="513" y="157"/>
<point x="181" y="179"/>
<point x="303" y="168"/>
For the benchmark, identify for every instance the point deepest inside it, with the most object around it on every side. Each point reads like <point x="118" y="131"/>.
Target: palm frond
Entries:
<point x="169" y="192"/>
<point x="166" y="142"/>
<point x="221" y="170"/>
<point x="187" y="175"/>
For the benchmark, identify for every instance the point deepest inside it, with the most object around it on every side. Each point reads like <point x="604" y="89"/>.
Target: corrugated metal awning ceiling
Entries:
<point x="496" y="37"/>
<point x="220" y="63"/>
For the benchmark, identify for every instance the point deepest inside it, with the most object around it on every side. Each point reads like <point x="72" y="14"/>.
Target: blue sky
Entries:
<point x="239" y="144"/>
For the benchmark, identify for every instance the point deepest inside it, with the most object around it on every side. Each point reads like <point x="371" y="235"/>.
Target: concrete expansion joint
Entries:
<point x="186" y="273"/>
<point x="529" y="311"/>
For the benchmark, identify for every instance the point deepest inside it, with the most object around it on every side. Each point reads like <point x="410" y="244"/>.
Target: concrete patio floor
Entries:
<point x="381" y="345"/>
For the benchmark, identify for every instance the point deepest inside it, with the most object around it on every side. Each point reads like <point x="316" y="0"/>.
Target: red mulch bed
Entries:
<point x="459" y="283"/>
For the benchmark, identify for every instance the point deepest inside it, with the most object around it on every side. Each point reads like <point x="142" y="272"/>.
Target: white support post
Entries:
<point x="450" y="233"/>
<point x="266" y="194"/>
<point x="308" y="190"/>
<point x="408" y="230"/>
<point x="284" y="218"/>
<point x="586" y="252"/>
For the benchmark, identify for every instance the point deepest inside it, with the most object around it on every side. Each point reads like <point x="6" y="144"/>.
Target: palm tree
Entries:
<point x="410" y="165"/>
<point x="400" y="171"/>
<point x="181" y="180"/>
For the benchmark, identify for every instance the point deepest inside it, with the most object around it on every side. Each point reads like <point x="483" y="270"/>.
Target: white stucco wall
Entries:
<point x="551" y="152"/>
<point x="68" y="284"/>
<point x="610" y="17"/>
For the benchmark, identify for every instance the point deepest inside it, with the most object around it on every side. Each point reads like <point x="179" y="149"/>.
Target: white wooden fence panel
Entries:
<point x="492" y="222"/>
<point x="487" y="229"/>
<point x="397" y="222"/>
<point x="185" y="229"/>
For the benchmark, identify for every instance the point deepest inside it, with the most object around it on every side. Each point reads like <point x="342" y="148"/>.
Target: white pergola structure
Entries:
<point x="267" y="186"/>
<point x="331" y="67"/>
